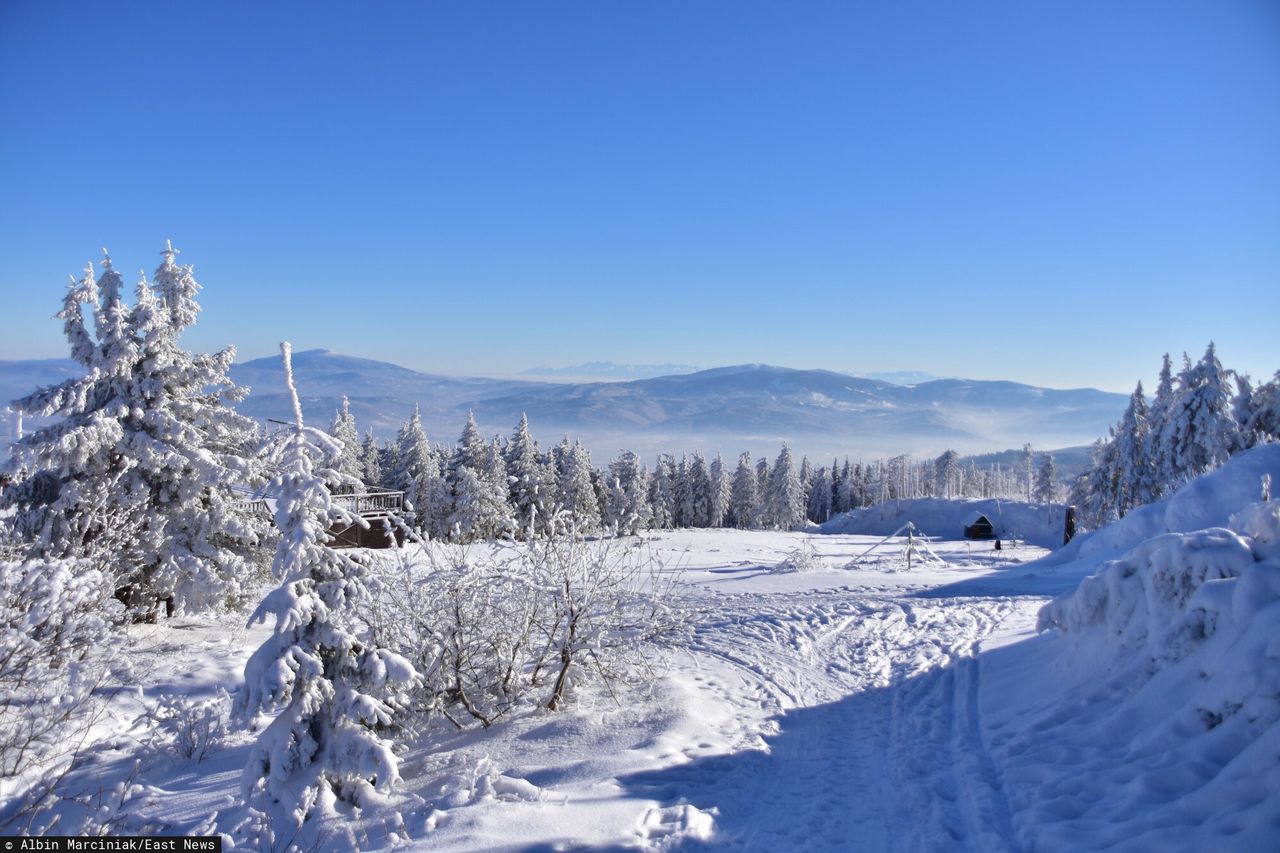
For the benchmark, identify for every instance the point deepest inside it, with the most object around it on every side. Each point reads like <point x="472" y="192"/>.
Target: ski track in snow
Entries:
<point x="827" y="711"/>
<point x="877" y="739"/>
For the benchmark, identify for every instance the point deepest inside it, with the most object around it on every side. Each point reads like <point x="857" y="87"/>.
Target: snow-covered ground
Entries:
<point x="830" y="698"/>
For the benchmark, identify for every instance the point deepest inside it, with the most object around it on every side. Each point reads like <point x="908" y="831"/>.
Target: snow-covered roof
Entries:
<point x="974" y="517"/>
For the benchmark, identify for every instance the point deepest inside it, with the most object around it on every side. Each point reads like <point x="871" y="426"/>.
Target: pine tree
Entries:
<point x="1046" y="490"/>
<point x="344" y="431"/>
<point x="744" y="497"/>
<point x="1158" y="452"/>
<point x="784" y="500"/>
<point x="1027" y="470"/>
<point x="477" y="488"/>
<point x="329" y="686"/>
<point x="763" y="475"/>
<point x="139" y="473"/>
<point x="531" y="500"/>
<point x="838" y="504"/>
<point x="1134" y="485"/>
<point x="819" y="509"/>
<point x="577" y="494"/>
<point x="662" y="492"/>
<point x="370" y="460"/>
<point x="1201" y="428"/>
<point x="1259" y="414"/>
<point x="627" y="508"/>
<point x="720" y="487"/>
<point x="417" y="473"/>
<point x="946" y="473"/>
<point x="697" y="507"/>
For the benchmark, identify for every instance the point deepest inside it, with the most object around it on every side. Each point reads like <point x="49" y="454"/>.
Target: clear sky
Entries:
<point x="1053" y="193"/>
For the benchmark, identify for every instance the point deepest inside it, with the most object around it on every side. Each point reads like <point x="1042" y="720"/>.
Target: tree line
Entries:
<point x="511" y="487"/>
<point x="1196" y="421"/>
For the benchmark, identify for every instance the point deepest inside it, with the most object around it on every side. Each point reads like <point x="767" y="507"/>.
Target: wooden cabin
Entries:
<point x="978" y="526"/>
<point x="376" y="506"/>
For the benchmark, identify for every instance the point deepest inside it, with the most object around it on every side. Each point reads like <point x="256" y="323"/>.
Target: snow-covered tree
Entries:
<point x="477" y="488"/>
<point x="1133" y="481"/>
<point x="693" y="492"/>
<point x="328" y="687"/>
<point x="744" y="500"/>
<point x="785" y="501"/>
<point x="662" y="492"/>
<point x="763" y="475"/>
<point x="418" y="475"/>
<point x="532" y="492"/>
<point x="136" y="474"/>
<point x="1027" y="471"/>
<point x="627" y="508"/>
<point x="1096" y="497"/>
<point x="1046" y="490"/>
<point x="1258" y="413"/>
<point x="577" y="495"/>
<point x="1158" y="452"/>
<point x="344" y="432"/>
<point x="820" y="491"/>
<point x="720" y="492"/>
<point x="1201" y="429"/>
<point x="947" y="474"/>
<point x="370" y="460"/>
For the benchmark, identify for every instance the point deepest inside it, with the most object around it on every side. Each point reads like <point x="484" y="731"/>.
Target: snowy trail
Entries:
<point x="874" y="733"/>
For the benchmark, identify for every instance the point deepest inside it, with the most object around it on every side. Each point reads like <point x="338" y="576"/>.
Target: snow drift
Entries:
<point x="1037" y="524"/>
<point x="1148" y="717"/>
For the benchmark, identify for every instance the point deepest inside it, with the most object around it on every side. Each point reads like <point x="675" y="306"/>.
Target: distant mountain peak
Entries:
<point x="612" y="370"/>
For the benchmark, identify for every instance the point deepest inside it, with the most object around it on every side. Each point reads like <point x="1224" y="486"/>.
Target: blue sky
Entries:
<point x="1053" y="193"/>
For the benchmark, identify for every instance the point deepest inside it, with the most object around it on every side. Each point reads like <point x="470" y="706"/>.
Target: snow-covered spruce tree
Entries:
<point x="696" y="498"/>
<point x="1158" y="451"/>
<point x="137" y="474"/>
<point x="477" y="488"/>
<point x="370" y="460"/>
<point x="344" y="432"/>
<point x="720" y="490"/>
<point x="662" y="492"/>
<point x="946" y="474"/>
<point x="1258" y="412"/>
<point x="784" y="500"/>
<point x="577" y="494"/>
<point x="763" y="475"/>
<point x="819" y="508"/>
<point x="418" y="475"/>
<point x="627" y="508"/>
<point x="1201" y="429"/>
<point x="530" y="493"/>
<point x="1096" y="498"/>
<point x="1134" y="484"/>
<point x="743" y="498"/>
<point x="330" y="686"/>
<point x="1046" y="490"/>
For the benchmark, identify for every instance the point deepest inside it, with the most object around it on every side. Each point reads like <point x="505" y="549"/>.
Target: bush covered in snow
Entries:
<point x="495" y="631"/>
<point x="53" y="626"/>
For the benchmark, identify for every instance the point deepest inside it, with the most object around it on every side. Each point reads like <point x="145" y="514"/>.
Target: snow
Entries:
<point x="829" y="698"/>
<point x="1037" y="524"/>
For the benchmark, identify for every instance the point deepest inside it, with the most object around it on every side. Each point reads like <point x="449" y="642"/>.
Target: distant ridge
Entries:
<point x="751" y="407"/>
<point x="611" y="370"/>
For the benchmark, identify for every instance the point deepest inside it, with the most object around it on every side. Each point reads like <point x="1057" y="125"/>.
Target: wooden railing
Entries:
<point x="374" y="502"/>
<point x="370" y="504"/>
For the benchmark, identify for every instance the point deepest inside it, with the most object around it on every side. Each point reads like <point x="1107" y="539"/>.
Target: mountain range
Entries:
<point x="753" y="407"/>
